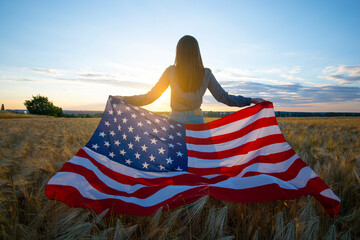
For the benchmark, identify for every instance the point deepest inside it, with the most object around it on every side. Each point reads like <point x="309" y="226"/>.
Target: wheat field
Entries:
<point x="34" y="149"/>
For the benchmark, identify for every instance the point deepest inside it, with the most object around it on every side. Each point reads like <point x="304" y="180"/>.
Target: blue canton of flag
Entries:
<point x="140" y="139"/>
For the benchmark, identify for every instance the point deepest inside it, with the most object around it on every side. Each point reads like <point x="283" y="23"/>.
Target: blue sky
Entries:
<point x="301" y="55"/>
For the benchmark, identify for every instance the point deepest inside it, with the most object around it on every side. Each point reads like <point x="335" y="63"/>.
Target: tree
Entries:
<point x="2" y="107"/>
<point x="42" y="106"/>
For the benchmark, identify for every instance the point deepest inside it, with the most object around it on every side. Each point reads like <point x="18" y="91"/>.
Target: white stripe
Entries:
<point x="303" y="177"/>
<point x="231" y="127"/>
<point x="253" y="181"/>
<point x="87" y="191"/>
<point x="129" y="171"/>
<point x="269" y="167"/>
<point x="104" y="178"/>
<point x="251" y="136"/>
<point x="330" y="194"/>
<point x="238" y="159"/>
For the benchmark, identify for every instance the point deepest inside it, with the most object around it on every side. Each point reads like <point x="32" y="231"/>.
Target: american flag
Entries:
<point x="138" y="161"/>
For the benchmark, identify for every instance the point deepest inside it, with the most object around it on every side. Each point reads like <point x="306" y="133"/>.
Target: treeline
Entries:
<point x="83" y="115"/>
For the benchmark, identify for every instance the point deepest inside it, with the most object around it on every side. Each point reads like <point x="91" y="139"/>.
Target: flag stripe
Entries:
<point x="231" y="144"/>
<point x="260" y="123"/>
<point x="227" y="128"/>
<point x="268" y="155"/>
<point x="233" y="118"/>
<point x="242" y="149"/>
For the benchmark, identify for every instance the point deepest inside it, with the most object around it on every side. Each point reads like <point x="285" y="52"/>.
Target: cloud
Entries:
<point x="47" y="71"/>
<point x="114" y="82"/>
<point x="343" y="74"/>
<point x="291" y="95"/>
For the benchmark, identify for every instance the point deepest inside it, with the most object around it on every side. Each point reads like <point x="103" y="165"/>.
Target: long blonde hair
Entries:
<point x="189" y="71"/>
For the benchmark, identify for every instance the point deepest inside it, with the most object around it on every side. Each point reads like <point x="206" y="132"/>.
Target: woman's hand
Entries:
<point x="257" y="100"/>
<point x="120" y="97"/>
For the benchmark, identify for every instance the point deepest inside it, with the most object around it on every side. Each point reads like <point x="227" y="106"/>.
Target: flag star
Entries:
<point x="179" y="125"/>
<point x="119" y="112"/>
<point x="128" y="161"/>
<point x="111" y="112"/>
<point x="112" y="133"/>
<point x="146" y="133"/>
<point x="161" y="167"/>
<point x="179" y="134"/>
<point x="117" y="142"/>
<point x="124" y="120"/>
<point x="157" y="120"/>
<point x="171" y="145"/>
<point x="124" y="136"/>
<point x="122" y="152"/>
<point x="130" y="145"/>
<point x="145" y="165"/>
<point x="150" y="113"/>
<point x="127" y="108"/>
<point x="102" y="134"/>
<point x="163" y="128"/>
<point x="137" y="138"/>
<point x="133" y="115"/>
<point x="137" y="155"/>
<point x="142" y="114"/>
<point x="148" y="122"/>
<point x="161" y="150"/>
<point x="95" y="146"/>
<point x="144" y="147"/>
<point x="179" y="154"/>
<point x="112" y="154"/>
<point x="178" y="169"/>
<point x="162" y="139"/>
<point x="136" y="107"/>
<point x="153" y="141"/>
<point x="140" y="124"/>
<point x="171" y="136"/>
<point x="114" y="105"/>
<point x="119" y="127"/>
<point x="107" y="123"/>
<point x="171" y="126"/>
<point x="131" y="129"/>
<point x="115" y="120"/>
<point x="179" y="144"/>
<point x="152" y="158"/>
<point x="106" y="143"/>
<point x="155" y="131"/>
<point x="169" y="160"/>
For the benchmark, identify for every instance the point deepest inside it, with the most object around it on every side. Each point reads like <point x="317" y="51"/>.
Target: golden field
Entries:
<point x="34" y="149"/>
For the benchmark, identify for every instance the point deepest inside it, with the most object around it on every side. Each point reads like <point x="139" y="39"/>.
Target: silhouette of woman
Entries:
<point x="188" y="80"/>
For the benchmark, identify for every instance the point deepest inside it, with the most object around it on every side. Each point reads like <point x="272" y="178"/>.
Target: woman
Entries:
<point x="188" y="80"/>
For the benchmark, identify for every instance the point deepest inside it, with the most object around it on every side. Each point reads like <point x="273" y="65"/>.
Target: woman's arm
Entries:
<point x="231" y="100"/>
<point x="222" y="96"/>
<point x="152" y="95"/>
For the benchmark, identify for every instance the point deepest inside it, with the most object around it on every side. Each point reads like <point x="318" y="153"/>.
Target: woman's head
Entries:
<point x="188" y="62"/>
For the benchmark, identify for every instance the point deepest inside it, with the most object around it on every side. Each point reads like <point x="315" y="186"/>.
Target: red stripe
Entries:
<point x="95" y="182"/>
<point x="232" y="171"/>
<point x="287" y="175"/>
<point x="72" y="197"/>
<point x="314" y="187"/>
<point x="260" y="123"/>
<point x="184" y="179"/>
<point x="242" y="149"/>
<point x="241" y="114"/>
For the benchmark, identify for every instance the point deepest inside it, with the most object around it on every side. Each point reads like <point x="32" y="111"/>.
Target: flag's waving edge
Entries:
<point x="138" y="161"/>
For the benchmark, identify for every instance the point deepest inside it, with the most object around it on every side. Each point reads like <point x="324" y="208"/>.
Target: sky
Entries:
<point x="300" y="55"/>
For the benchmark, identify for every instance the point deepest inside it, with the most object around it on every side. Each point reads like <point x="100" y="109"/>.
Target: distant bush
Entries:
<point x="42" y="106"/>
